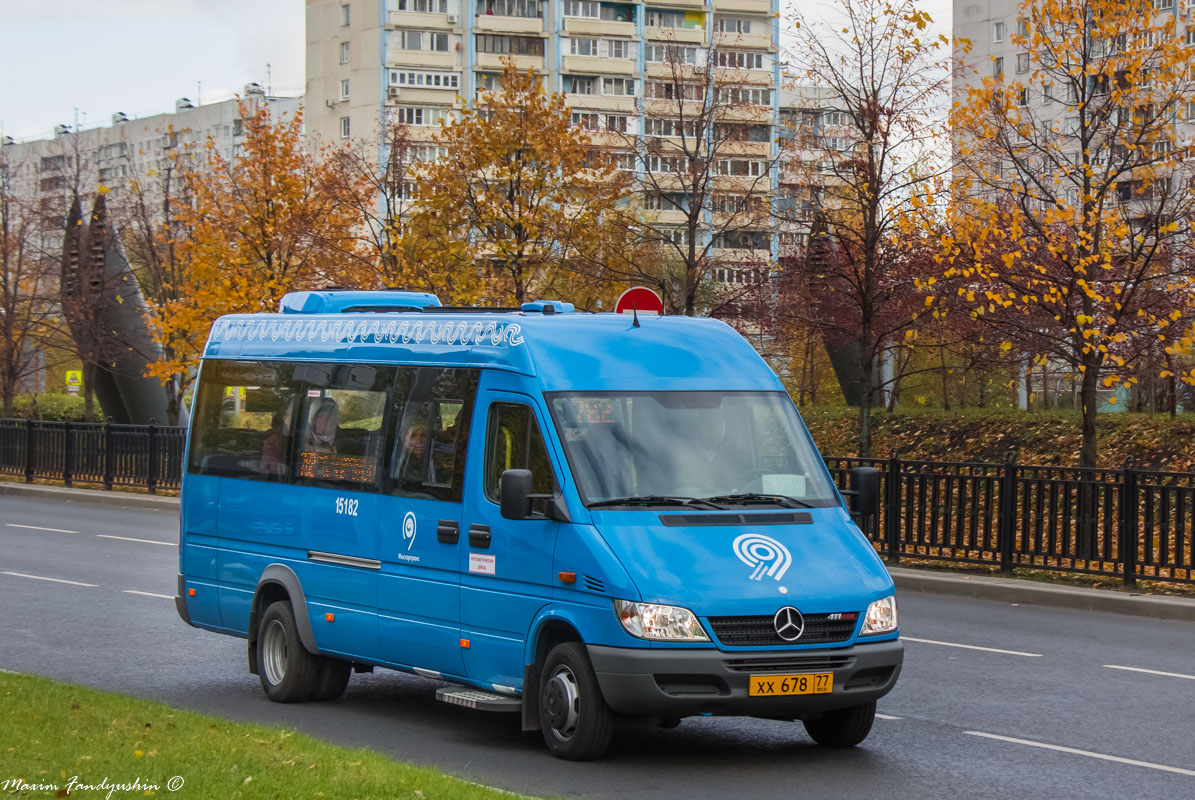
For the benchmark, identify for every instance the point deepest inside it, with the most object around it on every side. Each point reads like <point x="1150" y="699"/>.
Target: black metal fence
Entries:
<point x="147" y="456"/>
<point x="1126" y="523"/>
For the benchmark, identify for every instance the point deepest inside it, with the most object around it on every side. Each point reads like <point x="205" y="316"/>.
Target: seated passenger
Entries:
<point x="274" y="449"/>
<point x="321" y="429"/>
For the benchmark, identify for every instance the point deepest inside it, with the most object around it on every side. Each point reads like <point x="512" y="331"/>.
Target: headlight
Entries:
<point x="661" y="623"/>
<point x="880" y="617"/>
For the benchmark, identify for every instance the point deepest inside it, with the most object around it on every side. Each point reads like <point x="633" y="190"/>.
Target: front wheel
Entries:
<point x="576" y="722"/>
<point x="331" y="679"/>
<point x="287" y="670"/>
<point x="845" y="727"/>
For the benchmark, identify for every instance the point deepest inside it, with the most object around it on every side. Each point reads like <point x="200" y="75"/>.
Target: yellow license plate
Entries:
<point x="776" y="685"/>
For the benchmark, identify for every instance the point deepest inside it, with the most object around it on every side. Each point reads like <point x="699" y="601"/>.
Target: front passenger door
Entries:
<point x="506" y="565"/>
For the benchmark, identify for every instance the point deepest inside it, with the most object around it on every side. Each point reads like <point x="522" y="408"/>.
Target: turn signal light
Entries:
<point x="568" y="577"/>
<point x="465" y="644"/>
<point x="330" y="617"/>
<point x="190" y="592"/>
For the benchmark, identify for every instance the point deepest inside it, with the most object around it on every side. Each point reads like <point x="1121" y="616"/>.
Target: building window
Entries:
<point x="738" y="59"/>
<point x="582" y="8"/>
<point x="998" y="32"/>
<point x="588" y="120"/>
<point x="419" y="116"/>
<point x="344" y="123"/>
<point x="510" y="8"/>
<point x="583" y="47"/>
<point x="745" y="95"/>
<point x="1047" y="92"/>
<point x="662" y="90"/>
<point x="576" y="84"/>
<point x="670" y="54"/>
<point x="1022" y="27"/>
<point x="344" y="52"/>
<point x="625" y="162"/>
<point x="670" y="19"/>
<point x="1162" y="5"/>
<point x="344" y="89"/>
<point x="998" y="67"/>
<point x="622" y="87"/>
<point x="344" y="15"/>
<point x="732" y="25"/>
<point x="617" y="48"/>
<point x="425" y="80"/>
<point x="741" y="167"/>
<point x="616" y="122"/>
<point x="510" y="45"/>
<point x="1022" y="62"/>
<point x="1022" y="97"/>
<point x="655" y="126"/>
<point x="423" y="40"/>
<point x="424" y="6"/>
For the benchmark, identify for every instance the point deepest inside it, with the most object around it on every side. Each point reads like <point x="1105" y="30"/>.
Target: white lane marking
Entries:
<point x="887" y="716"/>
<point x="1152" y="672"/>
<point x="131" y="539"/>
<point x="973" y="647"/>
<point x="55" y="580"/>
<point x="1089" y="754"/>
<point x="38" y="528"/>
<point x="148" y="594"/>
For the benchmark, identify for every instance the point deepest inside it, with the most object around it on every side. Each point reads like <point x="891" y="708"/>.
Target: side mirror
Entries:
<point x="865" y="486"/>
<point x="516" y="493"/>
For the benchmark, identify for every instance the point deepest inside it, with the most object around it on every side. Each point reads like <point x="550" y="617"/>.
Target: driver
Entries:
<point x="720" y="462"/>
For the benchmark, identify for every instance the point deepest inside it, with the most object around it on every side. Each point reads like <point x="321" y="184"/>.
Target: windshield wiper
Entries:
<point x="755" y="497"/>
<point x="655" y="500"/>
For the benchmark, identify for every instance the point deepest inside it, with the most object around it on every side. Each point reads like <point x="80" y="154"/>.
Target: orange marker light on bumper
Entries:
<point x="567" y="577"/>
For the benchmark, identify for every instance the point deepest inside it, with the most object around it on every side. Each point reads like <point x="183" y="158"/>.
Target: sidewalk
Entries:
<point x="1009" y="590"/>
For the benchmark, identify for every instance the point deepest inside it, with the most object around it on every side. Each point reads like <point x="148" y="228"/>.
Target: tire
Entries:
<point x="577" y="724"/>
<point x="331" y="678"/>
<point x="287" y="671"/>
<point x="845" y="727"/>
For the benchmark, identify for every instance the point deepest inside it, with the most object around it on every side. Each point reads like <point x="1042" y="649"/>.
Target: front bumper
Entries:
<point x="683" y="683"/>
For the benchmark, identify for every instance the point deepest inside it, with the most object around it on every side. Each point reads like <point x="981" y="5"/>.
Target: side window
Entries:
<point x="514" y="441"/>
<point x="434" y="406"/>
<point x="244" y="420"/>
<point x="341" y="423"/>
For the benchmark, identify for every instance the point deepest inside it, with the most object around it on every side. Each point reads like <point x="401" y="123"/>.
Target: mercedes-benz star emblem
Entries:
<point x="789" y="624"/>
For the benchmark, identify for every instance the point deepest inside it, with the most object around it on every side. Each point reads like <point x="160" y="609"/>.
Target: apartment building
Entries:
<point x="53" y="168"/>
<point x="417" y="61"/>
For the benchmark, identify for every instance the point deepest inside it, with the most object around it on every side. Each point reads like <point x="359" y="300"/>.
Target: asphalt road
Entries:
<point x="996" y="700"/>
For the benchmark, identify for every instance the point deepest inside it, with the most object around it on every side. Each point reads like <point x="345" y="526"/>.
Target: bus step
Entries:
<point x="478" y="700"/>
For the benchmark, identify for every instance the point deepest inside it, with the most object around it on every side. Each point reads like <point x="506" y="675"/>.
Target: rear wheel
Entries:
<point x="331" y="678"/>
<point x="577" y="724"/>
<point x="845" y="727"/>
<point x="287" y="670"/>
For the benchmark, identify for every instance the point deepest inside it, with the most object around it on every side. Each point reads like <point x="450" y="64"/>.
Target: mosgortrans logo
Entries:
<point x="764" y="555"/>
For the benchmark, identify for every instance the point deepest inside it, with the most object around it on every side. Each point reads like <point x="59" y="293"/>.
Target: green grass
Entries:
<point x="52" y="732"/>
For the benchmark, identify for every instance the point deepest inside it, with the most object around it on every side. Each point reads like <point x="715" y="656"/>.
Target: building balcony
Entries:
<point x="423" y="58"/>
<point x="599" y="102"/>
<point x="412" y="19"/>
<point x="687" y="35"/>
<point x="739" y="255"/>
<point x="591" y="65"/>
<point x="688" y="5"/>
<point x="726" y="76"/>
<point x="756" y="149"/>
<point x="598" y="27"/>
<point x="757" y="41"/>
<point x="493" y="62"/>
<point x="408" y="95"/>
<point x="672" y="216"/>
<point x="744" y="6"/>
<point x="487" y="23"/>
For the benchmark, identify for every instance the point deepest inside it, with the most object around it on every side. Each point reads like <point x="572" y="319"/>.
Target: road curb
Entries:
<point x="94" y="496"/>
<point x="1013" y="590"/>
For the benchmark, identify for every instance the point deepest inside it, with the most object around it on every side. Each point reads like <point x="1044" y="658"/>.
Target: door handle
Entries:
<point x="479" y="536"/>
<point x="448" y="531"/>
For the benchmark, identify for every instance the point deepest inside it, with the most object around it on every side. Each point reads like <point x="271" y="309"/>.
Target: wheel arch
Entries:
<point x="279" y="582"/>
<point x="552" y="627"/>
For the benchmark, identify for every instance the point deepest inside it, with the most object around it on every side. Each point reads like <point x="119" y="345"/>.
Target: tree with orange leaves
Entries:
<point x="267" y="221"/>
<point x="1074" y="200"/>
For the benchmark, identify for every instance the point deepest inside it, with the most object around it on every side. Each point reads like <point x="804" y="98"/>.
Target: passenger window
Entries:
<point x="244" y="420"/>
<point x="514" y="441"/>
<point x="434" y="406"/>
<point x="341" y="422"/>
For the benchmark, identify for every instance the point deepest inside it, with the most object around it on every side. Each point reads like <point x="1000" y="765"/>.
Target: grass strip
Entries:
<point x="61" y="740"/>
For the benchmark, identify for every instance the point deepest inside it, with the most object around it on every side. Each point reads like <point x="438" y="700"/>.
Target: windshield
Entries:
<point x="669" y="446"/>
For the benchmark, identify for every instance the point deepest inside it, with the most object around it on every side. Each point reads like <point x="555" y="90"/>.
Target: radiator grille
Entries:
<point x="761" y="632"/>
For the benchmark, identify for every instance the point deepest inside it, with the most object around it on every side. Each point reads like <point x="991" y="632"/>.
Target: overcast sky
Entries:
<point x="139" y="56"/>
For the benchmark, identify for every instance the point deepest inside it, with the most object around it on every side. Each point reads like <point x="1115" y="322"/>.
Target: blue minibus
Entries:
<point x="584" y="519"/>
